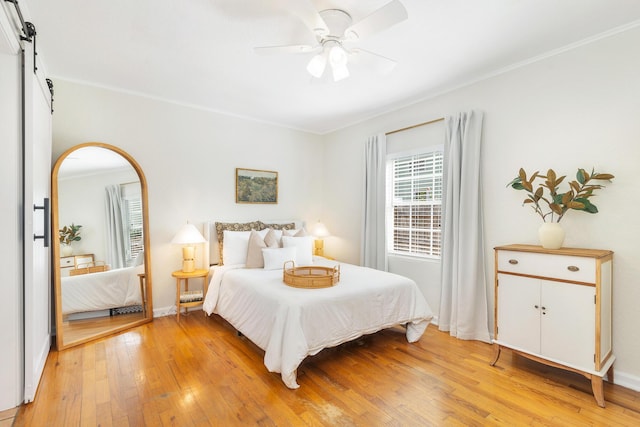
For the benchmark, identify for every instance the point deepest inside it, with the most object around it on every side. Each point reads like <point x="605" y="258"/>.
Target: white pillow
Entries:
<point x="274" y="258"/>
<point x="235" y="247"/>
<point x="304" y="247"/>
<point x="299" y="232"/>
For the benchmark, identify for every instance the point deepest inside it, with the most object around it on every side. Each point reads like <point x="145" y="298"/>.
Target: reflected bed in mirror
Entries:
<point x="102" y="279"/>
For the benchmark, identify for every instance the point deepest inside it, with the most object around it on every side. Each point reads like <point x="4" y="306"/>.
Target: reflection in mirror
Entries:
<point x="101" y="262"/>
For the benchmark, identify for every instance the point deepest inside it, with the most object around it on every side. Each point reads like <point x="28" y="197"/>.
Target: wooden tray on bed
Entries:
<point x="310" y="277"/>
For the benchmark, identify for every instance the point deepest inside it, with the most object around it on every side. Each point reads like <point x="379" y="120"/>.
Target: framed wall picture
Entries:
<point x="256" y="186"/>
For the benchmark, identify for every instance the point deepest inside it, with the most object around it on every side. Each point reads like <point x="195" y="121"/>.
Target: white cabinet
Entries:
<point x="554" y="306"/>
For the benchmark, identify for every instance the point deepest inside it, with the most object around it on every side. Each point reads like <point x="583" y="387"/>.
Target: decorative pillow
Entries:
<point x="274" y="258"/>
<point x="254" y="250"/>
<point x="301" y="232"/>
<point x="236" y="244"/>
<point x="304" y="248"/>
<point x="272" y="238"/>
<point x="288" y="226"/>
<point x="233" y="226"/>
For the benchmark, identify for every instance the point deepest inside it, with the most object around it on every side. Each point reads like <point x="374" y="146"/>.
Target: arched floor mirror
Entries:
<point x="101" y="259"/>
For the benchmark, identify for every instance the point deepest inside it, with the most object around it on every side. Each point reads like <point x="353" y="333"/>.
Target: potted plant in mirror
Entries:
<point x="547" y="201"/>
<point x="68" y="234"/>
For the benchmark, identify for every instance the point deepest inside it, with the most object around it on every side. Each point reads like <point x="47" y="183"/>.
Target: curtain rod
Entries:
<point x="415" y="126"/>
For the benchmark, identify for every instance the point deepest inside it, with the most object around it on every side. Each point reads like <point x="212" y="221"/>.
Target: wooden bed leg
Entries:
<point x="597" y="386"/>
<point x="496" y="354"/>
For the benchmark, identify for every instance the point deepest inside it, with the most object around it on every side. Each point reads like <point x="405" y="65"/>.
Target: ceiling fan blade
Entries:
<point x="381" y="19"/>
<point x="379" y="63"/>
<point x="293" y="48"/>
<point x="306" y="11"/>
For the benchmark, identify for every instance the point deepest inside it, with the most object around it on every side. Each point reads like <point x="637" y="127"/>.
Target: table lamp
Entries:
<point x="188" y="236"/>
<point x="320" y="232"/>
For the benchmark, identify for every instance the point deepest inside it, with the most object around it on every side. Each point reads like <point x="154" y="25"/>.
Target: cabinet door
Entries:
<point x="568" y="323"/>
<point x="518" y="317"/>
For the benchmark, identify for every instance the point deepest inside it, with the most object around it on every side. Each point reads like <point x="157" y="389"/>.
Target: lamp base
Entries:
<point x="319" y="247"/>
<point x="188" y="256"/>
<point x="188" y="266"/>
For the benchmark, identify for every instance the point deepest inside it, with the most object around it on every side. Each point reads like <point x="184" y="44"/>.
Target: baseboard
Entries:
<point x="164" y="311"/>
<point x="626" y="380"/>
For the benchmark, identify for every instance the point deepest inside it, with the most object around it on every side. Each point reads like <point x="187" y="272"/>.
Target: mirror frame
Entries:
<point x="60" y="344"/>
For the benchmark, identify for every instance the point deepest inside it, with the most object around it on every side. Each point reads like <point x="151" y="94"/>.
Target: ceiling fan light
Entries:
<point x="338" y="56"/>
<point x="340" y="72"/>
<point x="316" y="66"/>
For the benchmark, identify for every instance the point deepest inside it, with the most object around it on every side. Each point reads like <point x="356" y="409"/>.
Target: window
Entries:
<point x="414" y="207"/>
<point x="132" y="207"/>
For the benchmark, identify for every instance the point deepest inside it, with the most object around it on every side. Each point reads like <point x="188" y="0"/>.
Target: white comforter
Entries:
<point x="101" y="291"/>
<point x="290" y="324"/>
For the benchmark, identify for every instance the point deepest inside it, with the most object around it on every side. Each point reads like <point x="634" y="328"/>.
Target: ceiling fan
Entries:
<point x="334" y="31"/>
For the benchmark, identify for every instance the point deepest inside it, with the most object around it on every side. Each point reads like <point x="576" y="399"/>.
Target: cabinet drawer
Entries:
<point x="67" y="261"/>
<point x="564" y="267"/>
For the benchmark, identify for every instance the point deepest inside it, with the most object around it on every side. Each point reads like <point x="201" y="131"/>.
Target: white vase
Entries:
<point x="66" y="250"/>
<point x="551" y="235"/>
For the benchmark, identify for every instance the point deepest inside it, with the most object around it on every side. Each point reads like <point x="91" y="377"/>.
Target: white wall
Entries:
<point x="189" y="158"/>
<point x="577" y="109"/>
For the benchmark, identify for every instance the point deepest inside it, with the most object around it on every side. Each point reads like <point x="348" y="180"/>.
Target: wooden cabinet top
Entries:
<point x="590" y="253"/>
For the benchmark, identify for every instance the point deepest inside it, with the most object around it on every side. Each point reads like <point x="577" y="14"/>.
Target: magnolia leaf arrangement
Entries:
<point x="69" y="233"/>
<point x="576" y="198"/>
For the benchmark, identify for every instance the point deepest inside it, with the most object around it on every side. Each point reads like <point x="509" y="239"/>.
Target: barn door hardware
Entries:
<point x="46" y="235"/>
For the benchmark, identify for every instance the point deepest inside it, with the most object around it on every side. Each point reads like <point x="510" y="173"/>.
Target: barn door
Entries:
<point x="37" y="101"/>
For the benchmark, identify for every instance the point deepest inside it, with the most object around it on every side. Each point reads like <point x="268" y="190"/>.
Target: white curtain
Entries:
<point x="115" y="226"/>
<point x="373" y="252"/>
<point x="463" y="302"/>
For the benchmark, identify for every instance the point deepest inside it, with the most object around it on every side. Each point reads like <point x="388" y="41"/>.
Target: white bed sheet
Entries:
<point x="101" y="291"/>
<point x="290" y="324"/>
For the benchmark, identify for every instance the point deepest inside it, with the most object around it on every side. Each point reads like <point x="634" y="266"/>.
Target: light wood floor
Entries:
<point x="199" y="372"/>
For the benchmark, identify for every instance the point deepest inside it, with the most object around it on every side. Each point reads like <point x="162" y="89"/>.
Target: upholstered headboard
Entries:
<point x="212" y="249"/>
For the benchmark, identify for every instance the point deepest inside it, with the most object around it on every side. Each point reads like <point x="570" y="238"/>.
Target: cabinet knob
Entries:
<point x="536" y="306"/>
<point x="513" y="261"/>
<point x="573" y="268"/>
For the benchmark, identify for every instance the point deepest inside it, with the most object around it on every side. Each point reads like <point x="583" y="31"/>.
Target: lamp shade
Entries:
<point x="319" y="230"/>
<point x="188" y="234"/>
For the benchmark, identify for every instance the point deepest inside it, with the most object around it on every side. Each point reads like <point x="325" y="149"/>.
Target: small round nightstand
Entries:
<point x="183" y="298"/>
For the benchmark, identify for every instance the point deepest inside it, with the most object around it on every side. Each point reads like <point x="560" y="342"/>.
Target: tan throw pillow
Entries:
<point x="271" y="240"/>
<point x="254" y="250"/>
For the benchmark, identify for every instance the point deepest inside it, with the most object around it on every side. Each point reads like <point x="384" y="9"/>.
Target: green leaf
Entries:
<point x="588" y="206"/>
<point x="516" y="183"/>
<point x="581" y="176"/>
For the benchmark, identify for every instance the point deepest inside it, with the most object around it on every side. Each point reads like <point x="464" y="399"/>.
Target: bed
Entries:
<point x="101" y="291"/>
<point x="291" y="323"/>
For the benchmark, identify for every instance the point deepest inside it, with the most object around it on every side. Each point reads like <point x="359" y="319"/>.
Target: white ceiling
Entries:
<point x="199" y="52"/>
